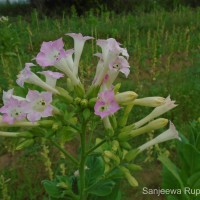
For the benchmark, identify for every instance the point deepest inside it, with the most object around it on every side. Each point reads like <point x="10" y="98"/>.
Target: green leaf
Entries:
<point x="95" y="170"/>
<point x="67" y="133"/>
<point x="170" y="197"/>
<point x="194" y="180"/>
<point x="189" y="164"/>
<point x="52" y="189"/>
<point x="101" y="188"/>
<point x="172" y="168"/>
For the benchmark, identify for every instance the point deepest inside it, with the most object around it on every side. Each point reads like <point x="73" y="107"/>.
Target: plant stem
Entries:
<point x="82" y="163"/>
<point x="65" y="152"/>
<point x="95" y="147"/>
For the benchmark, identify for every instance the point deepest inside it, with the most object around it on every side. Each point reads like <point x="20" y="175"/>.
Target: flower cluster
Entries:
<point x="102" y="99"/>
<point x="35" y="106"/>
<point x="113" y="59"/>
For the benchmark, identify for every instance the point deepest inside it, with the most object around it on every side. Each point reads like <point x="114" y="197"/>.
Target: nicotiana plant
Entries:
<point x="105" y="155"/>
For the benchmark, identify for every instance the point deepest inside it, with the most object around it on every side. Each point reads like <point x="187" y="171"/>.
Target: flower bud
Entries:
<point x="117" y="87"/>
<point x="134" y="167"/>
<point x="70" y="86"/>
<point x="154" y="125"/>
<point x="115" y="145"/>
<point x="125" y="145"/>
<point x="80" y="92"/>
<point x="132" y="181"/>
<point x="84" y="103"/>
<point x="165" y="107"/>
<point x="150" y="101"/>
<point x="77" y="100"/>
<point x="93" y="91"/>
<point x="131" y="155"/>
<point x="65" y="94"/>
<point x="112" y="156"/>
<point x="157" y="124"/>
<point x="125" y="98"/>
<point x="92" y="102"/>
<point x="46" y="123"/>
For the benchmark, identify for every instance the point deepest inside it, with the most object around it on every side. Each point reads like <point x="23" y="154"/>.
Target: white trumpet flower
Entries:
<point x="169" y="134"/>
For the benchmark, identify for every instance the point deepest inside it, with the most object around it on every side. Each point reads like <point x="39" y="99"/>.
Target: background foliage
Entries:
<point x="163" y="42"/>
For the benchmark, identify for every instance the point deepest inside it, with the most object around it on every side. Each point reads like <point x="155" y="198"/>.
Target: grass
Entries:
<point x="164" y="59"/>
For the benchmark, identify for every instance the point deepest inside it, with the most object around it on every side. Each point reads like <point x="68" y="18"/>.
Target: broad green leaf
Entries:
<point x="67" y="133"/>
<point x="101" y="188"/>
<point x="189" y="159"/>
<point x="172" y="168"/>
<point x="52" y="189"/>
<point x="194" y="179"/>
<point x="95" y="169"/>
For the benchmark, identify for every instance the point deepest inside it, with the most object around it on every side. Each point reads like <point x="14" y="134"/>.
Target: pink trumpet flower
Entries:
<point x="29" y="77"/>
<point x="106" y="104"/>
<point x="79" y="41"/>
<point x="51" y="77"/>
<point x="14" y="110"/>
<point x="40" y="105"/>
<point x="50" y="53"/>
<point x="7" y="95"/>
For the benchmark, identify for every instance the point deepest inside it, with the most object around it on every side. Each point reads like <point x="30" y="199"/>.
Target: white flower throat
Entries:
<point x="39" y="105"/>
<point x="16" y="112"/>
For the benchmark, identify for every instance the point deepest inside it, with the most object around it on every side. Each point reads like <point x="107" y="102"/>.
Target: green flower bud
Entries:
<point x="93" y="91"/>
<point x="115" y="145"/>
<point x="80" y="92"/>
<point x="155" y="124"/>
<point x="70" y="86"/>
<point x="125" y="145"/>
<point x="131" y="155"/>
<point x="77" y="100"/>
<point x="117" y="87"/>
<point x="134" y="167"/>
<point x="65" y="94"/>
<point x="132" y="181"/>
<point x="112" y="156"/>
<point x="92" y="102"/>
<point x="84" y="103"/>
<point x="125" y="98"/>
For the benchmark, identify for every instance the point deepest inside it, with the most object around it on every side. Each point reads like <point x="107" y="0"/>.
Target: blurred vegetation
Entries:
<point x="81" y="7"/>
<point x="164" y="59"/>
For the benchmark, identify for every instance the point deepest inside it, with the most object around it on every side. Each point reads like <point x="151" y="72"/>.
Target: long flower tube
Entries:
<point x="110" y="51"/>
<point x="167" y="105"/>
<point x="29" y="77"/>
<point x="153" y="125"/>
<point x="169" y="134"/>
<point x="79" y="41"/>
<point x="15" y="134"/>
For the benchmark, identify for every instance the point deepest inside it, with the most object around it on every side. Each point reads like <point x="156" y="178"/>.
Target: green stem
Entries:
<point x="95" y="147"/>
<point x="82" y="163"/>
<point x="65" y="152"/>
